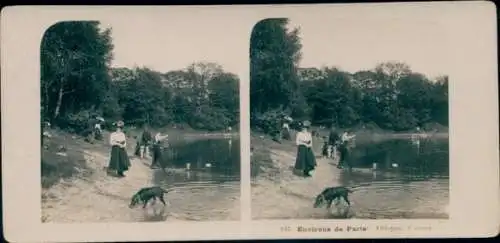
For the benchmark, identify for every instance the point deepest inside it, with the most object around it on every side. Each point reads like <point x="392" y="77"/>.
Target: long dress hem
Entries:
<point x="119" y="161"/>
<point x="305" y="161"/>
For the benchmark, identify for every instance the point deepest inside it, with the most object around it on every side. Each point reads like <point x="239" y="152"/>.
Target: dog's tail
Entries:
<point x="166" y="190"/>
<point x="353" y="188"/>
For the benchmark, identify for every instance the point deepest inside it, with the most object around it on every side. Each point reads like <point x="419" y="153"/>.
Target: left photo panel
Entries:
<point x="138" y="123"/>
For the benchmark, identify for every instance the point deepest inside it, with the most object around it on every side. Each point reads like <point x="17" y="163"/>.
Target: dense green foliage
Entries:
<point x="77" y="83"/>
<point x="390" y="96"/>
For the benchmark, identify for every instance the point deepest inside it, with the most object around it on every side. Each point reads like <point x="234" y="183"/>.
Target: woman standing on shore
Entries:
<point x="305" y="161"/>
<point x="119" y="161"/>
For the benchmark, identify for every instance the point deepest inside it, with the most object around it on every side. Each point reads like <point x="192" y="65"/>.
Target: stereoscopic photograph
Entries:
<point x="249" y="122"/>
<point x="133" y="132"/>
<point x="349" y="119"/>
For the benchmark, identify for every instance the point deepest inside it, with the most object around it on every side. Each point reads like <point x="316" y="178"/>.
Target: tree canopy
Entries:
<point x="390" y="96"/>
<point x="78" y="82"/>
<point x="274" y="56"/>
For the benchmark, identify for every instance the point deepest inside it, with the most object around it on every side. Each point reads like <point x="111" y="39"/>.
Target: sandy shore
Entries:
<point x="276" y="183"/>
<point x="96" y="197"/>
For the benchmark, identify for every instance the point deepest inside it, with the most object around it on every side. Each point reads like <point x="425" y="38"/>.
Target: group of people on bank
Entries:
<point x="119" y="161"/>
<point x="305" y="161"/>
<point x="147" y="146"/>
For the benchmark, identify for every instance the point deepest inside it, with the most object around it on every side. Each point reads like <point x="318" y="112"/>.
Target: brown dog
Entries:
<point x="148" y="193"/>
<point x="332" y="193"/>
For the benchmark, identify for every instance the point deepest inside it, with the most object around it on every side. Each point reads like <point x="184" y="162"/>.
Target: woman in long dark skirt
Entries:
<point x="305" y="161"/>
<point x="119" y="161"/>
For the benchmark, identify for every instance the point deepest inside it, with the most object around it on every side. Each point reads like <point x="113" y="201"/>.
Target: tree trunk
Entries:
<point x="46" y="113"/>
<point x="59" y="100"/>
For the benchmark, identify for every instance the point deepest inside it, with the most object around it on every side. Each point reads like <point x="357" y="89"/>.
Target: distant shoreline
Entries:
<point x="366" y="134"/>
<point x="176" y="133"/>
<point x="405" y="135"/>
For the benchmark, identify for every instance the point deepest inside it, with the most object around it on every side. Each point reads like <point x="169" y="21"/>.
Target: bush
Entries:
<point x="76" y="123"/>
<point x="434" y="126"/>
<point x="110" y="107"/>
<point x="372" y="126"/>
<point x="270" y="121"/>
<point x="210" y="118"/>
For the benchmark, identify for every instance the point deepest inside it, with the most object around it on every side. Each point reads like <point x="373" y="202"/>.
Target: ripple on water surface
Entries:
<point x="209" y="190"/>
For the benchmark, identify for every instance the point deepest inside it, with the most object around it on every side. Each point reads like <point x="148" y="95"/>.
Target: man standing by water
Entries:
<point x="157" y="149"/>
<point x="333" y="141"/>
<point x="344" y="149"/>
<point x="145" y="142"/>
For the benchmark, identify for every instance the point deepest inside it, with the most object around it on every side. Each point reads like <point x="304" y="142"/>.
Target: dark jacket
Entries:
<point x="333" y="138"/>
<point x="146" y="137"/>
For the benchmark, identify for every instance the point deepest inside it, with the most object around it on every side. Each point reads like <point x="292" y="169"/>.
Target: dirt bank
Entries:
<point x="87" y="194"/>
<point x="279" y="194"/>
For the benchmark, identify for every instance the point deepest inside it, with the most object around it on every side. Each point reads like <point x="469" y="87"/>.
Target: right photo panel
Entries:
<point x="349" y="119"/>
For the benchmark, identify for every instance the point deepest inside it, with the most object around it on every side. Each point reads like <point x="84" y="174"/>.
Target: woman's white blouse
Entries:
<point x="304" y="137"/>
<point x="116" y="138"/>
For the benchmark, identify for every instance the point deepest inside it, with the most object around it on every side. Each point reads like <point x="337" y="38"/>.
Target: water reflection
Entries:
<point x="205" y="175"/>
<point x="411" y="178"/>
<point x="425" y="159"/>
<point x="154" y="213"/>
<point x="214" y="160"/>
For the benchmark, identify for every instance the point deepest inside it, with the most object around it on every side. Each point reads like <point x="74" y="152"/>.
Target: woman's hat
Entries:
<point x="306" y="123"/>
<point x="120" y="124"/>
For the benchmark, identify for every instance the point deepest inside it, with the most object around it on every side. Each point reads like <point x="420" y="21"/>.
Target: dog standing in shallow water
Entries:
<point x="332" y="193"/>
<point x="148" y="193"/>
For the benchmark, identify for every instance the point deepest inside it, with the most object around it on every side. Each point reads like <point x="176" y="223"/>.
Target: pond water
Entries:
<point x="411" y="180"/>
<point x="205" y="176"/>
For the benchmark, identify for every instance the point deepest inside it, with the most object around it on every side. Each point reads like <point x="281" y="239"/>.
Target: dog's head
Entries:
<point x="320" y="200"/>
<point x="136" y="199"/>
